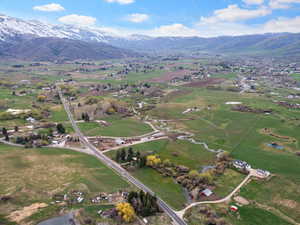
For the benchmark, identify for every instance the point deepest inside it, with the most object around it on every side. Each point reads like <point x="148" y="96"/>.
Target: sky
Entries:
<point x="205" y="18"/>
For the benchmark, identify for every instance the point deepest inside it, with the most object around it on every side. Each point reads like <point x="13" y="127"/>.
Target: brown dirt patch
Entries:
<point x="288" y="203"/>
<point x="27" y="211"/>
<point x="168" y="76"/>
<point x="241" y="200"/>
<point x="205" y="83"/>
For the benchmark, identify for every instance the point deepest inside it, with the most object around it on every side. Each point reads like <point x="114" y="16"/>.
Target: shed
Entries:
<point x="207" y="192"/>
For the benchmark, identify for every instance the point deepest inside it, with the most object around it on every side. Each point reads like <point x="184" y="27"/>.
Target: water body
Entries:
<point x="67" y="219"/>
<point x="276" y="146"/>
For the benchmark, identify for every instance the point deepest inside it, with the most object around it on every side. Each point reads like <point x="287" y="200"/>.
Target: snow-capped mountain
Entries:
<point x="11" y="27"/>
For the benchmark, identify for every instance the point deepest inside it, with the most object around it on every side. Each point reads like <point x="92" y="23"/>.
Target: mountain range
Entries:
<point x="35" y="40"/>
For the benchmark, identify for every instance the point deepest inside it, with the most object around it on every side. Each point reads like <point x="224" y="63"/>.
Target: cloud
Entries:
<point x="122" y="2"/>
<point x="174" y="30"/>
<point x="53" y="7"/>
<point x="283" y="24"/>
<point x="79" y="20"/>
<point x="254" y="2"/>
<point x="282" y="4"/>
<point x="137" y="17"/>
<point x="233" y="13"/>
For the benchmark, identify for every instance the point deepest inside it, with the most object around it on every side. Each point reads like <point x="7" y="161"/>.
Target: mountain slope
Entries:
<point x="50" y="49"/>
<point x="13" y="32"/>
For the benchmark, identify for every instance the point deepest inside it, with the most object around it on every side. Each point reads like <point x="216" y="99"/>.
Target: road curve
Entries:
<point x="116" y="167"/>
<point x="228" y="197"/>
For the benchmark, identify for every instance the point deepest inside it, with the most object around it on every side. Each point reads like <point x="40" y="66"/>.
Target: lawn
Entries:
<point x="118" y="127"/>
<point x="35" y="175"/>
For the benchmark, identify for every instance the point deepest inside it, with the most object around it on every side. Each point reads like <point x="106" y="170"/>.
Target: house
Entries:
<point x="263" y="173"/>
<point x="119" y="141"/>
<point x="207" y="192"/>
<point x="30" y="120"/>
<point x="239" y="164"/>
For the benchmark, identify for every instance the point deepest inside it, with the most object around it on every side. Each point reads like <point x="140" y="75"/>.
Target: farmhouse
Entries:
<point x="239" y="164"/>
<point x="207" y="192"/>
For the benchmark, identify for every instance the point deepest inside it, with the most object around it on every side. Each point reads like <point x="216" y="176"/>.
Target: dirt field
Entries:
<point x="168" y="76"/>
<point x="205" y="83"/>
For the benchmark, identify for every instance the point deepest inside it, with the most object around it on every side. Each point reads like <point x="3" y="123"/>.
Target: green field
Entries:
<point x="296" y="76"/>
<point x="164" y="187"/>
<point x="118" y="127"/>
<point x="35" y="175"/>
<point x="247" y="215"/>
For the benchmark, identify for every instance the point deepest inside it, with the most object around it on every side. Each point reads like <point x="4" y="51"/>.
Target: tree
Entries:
<point x="6" y="137"/>
<point x="130" y="155"/>
<point x="153" y="160"/>
<point x="41" y="98"/>
<point x="60" y="128"/>
<point x="193" y="174"/>
<point x="118" y="156"/>
<point x="142" y="161"/>
<point x="126" y="211"/>
<point x="4" y="131"/>
<point x="123" y="155"/>
<point x="207" y="177"/>
<point x="16" y="128"/>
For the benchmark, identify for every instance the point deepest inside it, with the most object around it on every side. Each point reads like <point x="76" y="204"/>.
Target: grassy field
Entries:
<point x="247" y="215"/>
<point x="164" y="187"/>
<point x="296" y="76"/>
<point x="178" y="152"/>
<point x="119" y="127"/>
<point x="279" y="193"/>
<point x="238" y="132"/>
<point x="187" y="154"/>
<point x="35" y="175"/>
<point x="226" y="183"/>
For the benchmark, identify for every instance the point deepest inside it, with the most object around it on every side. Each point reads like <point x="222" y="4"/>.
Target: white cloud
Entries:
<point x="122" y="2"/>
<point x="137" y="17"/>
<point x="254" y="2"/>
<point x="53" y="7"/>
<point x="282" y="4"/>
<point x="79" y="20"/>
<point x="283" y="24"/>
<point x="233" y="13"/>
<point x="174" y="30"/>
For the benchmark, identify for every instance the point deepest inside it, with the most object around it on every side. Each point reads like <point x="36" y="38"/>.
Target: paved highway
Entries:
<point x="116" y="167"/>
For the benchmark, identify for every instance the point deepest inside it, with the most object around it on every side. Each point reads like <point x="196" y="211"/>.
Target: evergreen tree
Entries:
<point x="6" y="137"/>
<point x="4" y="131"/>
<point x="118" y="156"/>
<point x="60" y="128"/>
<point x="123" y="155"/>
<point x="130" y="155"/>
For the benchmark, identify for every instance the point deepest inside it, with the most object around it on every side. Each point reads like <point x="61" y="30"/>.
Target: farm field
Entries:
<point x="247" y="215"/>
<point x="35" y="175"/>
<point x="118" y="127"/>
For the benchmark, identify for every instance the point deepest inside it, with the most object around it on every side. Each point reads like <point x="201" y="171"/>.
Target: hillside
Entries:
<point x="49" y="49"/>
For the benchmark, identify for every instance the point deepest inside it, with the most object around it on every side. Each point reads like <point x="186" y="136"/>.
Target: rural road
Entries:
<point x="252" y="172"/>
<point x="116" y="167"/>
